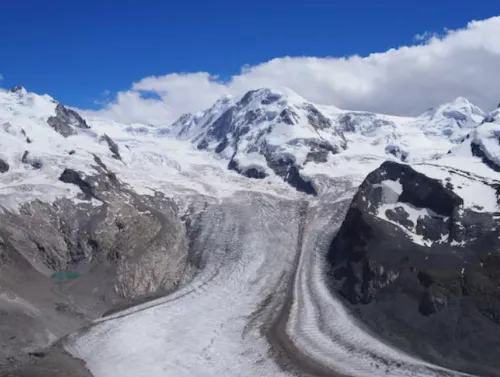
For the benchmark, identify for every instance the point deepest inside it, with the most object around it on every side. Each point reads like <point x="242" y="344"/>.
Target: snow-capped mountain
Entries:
<point x="265" y="131"/>
<point x="277" y="132"/>
<point x="452" y="120"/>
<point x="129" y="232"/>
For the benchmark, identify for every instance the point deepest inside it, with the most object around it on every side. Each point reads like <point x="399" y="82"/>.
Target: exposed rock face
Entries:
<point x="65" y="263"/>
<point x="249" y="172"/>
<point x="478" y="152"/>
<point x="429" y="284"/>
<point x="286" y="168"/>
<point x="34" y="162"/>
<point x="362" y="122"/>
<point x="4" y="166"/>
<point x="113" y="147"/>
<point x="66" y="120"/>
<point x="17" y="89"/>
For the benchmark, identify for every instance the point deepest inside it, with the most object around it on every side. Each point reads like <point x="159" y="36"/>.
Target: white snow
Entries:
<point x="149" y="162"/>
<point x="391" y="190"/>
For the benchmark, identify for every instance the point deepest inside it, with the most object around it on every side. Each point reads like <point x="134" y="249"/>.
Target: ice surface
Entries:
<point x="210" y="327"/>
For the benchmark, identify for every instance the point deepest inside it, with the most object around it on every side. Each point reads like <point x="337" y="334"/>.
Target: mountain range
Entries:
<point x="266" y="235"/>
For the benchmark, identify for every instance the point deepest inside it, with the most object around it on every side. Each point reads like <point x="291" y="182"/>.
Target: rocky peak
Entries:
<point x="460" y="110"/>
<point x="262" y="96"/>
<point x="266" y="131"/>
<point x="18" y="89"/>
<point x="66" y="121"/>
<point x="451" y="120"/>
<point x="411" y="187"/>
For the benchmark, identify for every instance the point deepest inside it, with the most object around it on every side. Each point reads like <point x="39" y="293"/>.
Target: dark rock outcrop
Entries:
<point x="17" y="89"/>
<point x="4" y="166"/>
<point x="478" y="152"/>
<point x="287" y="169"/>
<point x="66" y="121"/>
<point x="397" y="152"/>
<point x="315" y="118"/>
<point x="222" y="126"/>
<point x="249" y="173"/>
<point x="222" y="145"/>
<point x="430" y="288"/>
<point x="28" y="139"/>
<point x="73" y="177"/>
<point x="113" y="147"/>
<point x="34" y="162"/>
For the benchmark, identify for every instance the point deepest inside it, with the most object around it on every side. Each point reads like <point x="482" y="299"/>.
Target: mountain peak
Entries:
<point x="261" y="96"/>
<point x="460" y="101"/>
<point x="460" y="110"/>
<point x="18" y="89"/>
<point x="268" y="96"/>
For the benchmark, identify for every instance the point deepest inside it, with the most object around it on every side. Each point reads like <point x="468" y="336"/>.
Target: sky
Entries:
<point x="149" y="61"/>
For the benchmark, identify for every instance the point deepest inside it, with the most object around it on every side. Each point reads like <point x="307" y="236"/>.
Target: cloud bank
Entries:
<point x="402" y="81"/>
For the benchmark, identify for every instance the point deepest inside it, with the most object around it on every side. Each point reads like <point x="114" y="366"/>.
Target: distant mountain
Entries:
<point x="278" y="132"/>
<point x="452" y="120"/>
<point x="265" y="131"/>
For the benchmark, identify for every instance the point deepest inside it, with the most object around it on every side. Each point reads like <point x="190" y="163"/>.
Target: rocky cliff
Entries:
<point x="421" y="268"/>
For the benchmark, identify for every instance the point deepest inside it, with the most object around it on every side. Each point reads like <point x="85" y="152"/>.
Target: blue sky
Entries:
<point x="75" y="50"/>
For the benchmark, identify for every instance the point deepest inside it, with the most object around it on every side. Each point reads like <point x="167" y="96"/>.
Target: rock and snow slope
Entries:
<point x="137" y="213"/>
<point x="276" y="132"/>
<point x="417" y="260"/>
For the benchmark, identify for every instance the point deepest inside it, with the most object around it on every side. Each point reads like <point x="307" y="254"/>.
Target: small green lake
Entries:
<point x="65" y="275"/>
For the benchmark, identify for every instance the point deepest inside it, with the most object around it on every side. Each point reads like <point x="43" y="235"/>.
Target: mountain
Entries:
<point x="452" y="120"/>
<point x="265" y="131"/>
<point x="75" y="240"/>
<point x="276" y="132"/>
<point x="417" y="260"/>
<point x="266" y="235"/>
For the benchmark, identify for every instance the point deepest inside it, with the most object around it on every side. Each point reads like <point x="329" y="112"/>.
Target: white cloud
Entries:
<point x="405" y="81"/>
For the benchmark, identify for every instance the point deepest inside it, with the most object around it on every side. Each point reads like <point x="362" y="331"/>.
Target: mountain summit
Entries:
<point x="265" y="131"/>
<point x="269" y="131"/>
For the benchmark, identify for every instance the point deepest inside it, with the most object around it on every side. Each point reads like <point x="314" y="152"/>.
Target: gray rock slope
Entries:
<point x="66" y="263"/>
<point x="127" y="248"/>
